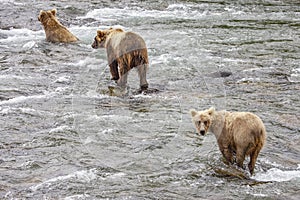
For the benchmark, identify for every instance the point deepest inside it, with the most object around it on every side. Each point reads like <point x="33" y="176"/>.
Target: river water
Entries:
<point x="64" y="137"/>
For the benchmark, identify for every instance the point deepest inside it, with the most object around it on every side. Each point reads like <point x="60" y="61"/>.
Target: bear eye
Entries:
<point x="199" y="123"/>
<point x="205" y="123"/>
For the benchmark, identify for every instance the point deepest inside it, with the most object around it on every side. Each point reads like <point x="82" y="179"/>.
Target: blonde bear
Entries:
<point x="239" y="133"/>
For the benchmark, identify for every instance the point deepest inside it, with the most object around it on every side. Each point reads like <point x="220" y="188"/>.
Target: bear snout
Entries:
<point x="202" y="132"/>
<point x="94" y="45"/>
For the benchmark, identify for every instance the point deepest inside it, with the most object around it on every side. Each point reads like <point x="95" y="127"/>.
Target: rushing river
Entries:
<point x="64" y="137"/>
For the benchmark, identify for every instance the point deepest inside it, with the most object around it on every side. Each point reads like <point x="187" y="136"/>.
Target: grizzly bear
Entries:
<point x="55" y="32"/>
<point x="125" y="50"/>
<point x="239" y="133"/>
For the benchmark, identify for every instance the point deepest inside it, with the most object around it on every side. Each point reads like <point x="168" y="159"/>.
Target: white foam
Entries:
<point x="60" y="89"/>
<point x="297" y="70"/>
<point x="78" y="196"/>
<point x="117" y="175"/>
<point x="10" y="77"/>
<point x="21" y="99"/>
<point x="59" y="129"/>
<point x="277" y="175"/>
<point x="295" y="76"/>
<point x="10" y="1"/>
<point x="107" y="131"/>
<point x="163" y="58"/>
<point x="114" y="176"/>
<point x="108" y="117"/>
<point x="29" y="45"/>
<point x="248" y="80"/>
<point x="260" y="195"/>
<point x="21" y="35"/>
<point x="177" y="6"/>
<point x="94" y="94"/>
<point x="84" y="176"/>
<point x="5" y="111"/>
<point x="143" y="96"/>
<point x="274" y="164"/>
<point x="7" y="1"/>
<point x="89" y="140"/>
<point x="63" y="79"/>
<point x="90" y="62"/>
<point x="174" y="11"/>
<point x="29" y="111"/>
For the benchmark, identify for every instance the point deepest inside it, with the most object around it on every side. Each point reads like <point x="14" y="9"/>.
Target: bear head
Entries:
<point x="44" y="16"/>
<point x="100" y="39"/>
<point x="202" y="119"/>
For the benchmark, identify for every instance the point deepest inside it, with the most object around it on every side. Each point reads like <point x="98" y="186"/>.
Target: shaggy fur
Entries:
<point x="125" y="50"/>
<point x="240" y="133"/>
<point x="55" y="32"/>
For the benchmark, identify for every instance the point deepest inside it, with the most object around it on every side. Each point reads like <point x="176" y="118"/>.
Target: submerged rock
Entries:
<point x="117" y="91"/>
<point x="220" y="74"/>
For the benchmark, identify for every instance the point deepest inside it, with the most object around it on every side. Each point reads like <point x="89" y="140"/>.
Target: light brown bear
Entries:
<point x="55" y="32"/>
<point x="240" y="133"/>
<point x="125" y="50"/>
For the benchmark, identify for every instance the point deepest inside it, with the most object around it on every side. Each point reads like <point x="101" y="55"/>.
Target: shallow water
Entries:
<point x="63" y="137"/>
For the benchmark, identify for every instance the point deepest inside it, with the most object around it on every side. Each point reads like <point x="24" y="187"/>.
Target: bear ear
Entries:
<point x="100" y="33"/>
<point x="53" y="12"/>
<point x="41" y="15"/>
<point x="193" y="112"/>
<point x="108" y="31"/>
<point x="119" y="30"/>
<point x="211" y="111"/>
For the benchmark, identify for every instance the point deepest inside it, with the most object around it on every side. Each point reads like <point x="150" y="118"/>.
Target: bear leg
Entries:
<point x="142" y="70"/>
<point x="240" y="157"/>
<point x="114" y="70"/>
<point x="228" y="155"/>
<point x="253" y="157"/>
<point x="122" y="80"/>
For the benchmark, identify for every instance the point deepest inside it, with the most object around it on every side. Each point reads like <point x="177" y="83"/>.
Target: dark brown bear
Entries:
<point x="125" y="50"/>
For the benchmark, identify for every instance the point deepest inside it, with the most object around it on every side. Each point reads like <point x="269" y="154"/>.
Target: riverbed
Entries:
<point x="64" y="137"/>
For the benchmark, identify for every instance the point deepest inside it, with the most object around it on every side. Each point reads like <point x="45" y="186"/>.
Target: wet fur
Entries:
<point x="55" y="32"/>
<point x="239" y="133"/>
<point x="125" y="50"/>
